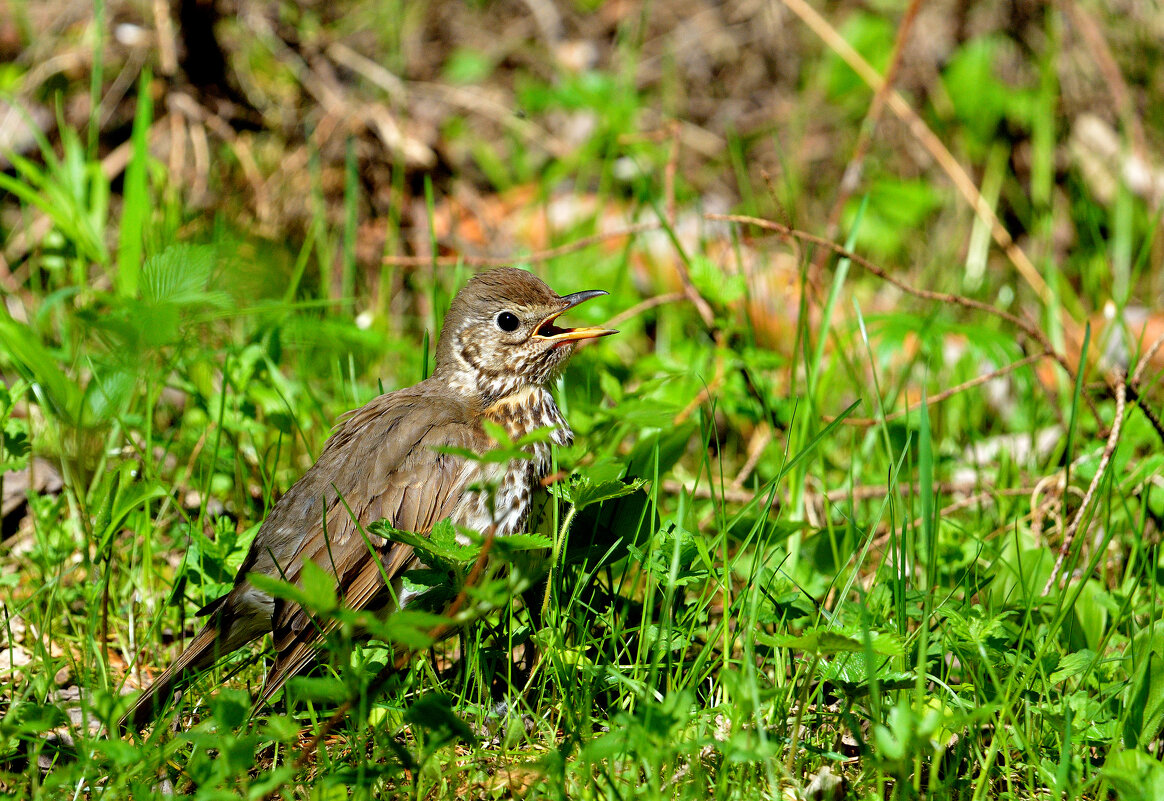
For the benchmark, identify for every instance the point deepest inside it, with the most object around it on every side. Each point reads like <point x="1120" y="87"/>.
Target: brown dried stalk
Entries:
<point x="926" y="137"/>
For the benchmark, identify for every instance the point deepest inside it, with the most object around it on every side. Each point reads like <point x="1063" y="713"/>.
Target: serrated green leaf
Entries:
<point x="442" y="551"/>
<point x="1072" y="665"/>
<point x="583" y="492"/>
<point x="832" y="642"/>
<point x="816" y="642"/>
<point x="853" y="673"/>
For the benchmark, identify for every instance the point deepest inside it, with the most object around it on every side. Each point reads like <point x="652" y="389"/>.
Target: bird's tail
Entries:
<point x="200" y="654"/>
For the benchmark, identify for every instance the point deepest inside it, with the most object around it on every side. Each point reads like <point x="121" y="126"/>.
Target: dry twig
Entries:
<point x="944" y="394"/>
<point x="1030" y="329"/>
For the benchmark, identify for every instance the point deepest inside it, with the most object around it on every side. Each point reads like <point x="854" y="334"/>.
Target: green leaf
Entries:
<point x="424" y="580"/>
<point x="497" y="433"/>
<point x="230" y="707"/>
<point x="853" y="673"/>
<point x="51" y="385"/>
<point x="713" y="283"/>
<point x="832" y="642"/>
<point x="1145" y="718"/>
<point x="277" y="588"/>
<point x="408" y="628"/>
<point x="523" y="542"/>
<point x="180" y="275"/>
<point x="440" y="550"/>
<point x="668" y="443"/>
<point x="818" y="642"/>
<point x="32" y="718"/>
<point x="434" y="715"/>
<point x="583" y="492"/>
<point x="467" y="65"/>
<point x="319" y="590"/>
<point x="1135" y="776"/>
<point x="1072" y="665"/>
<point x="494" y="456"/>
<point x="321" y="689"/>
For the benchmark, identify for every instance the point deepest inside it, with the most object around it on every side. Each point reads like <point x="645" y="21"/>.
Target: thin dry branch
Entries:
<point x="194" y="111"/>
<point x="1145" y="360"/>
<point x="756" y="447"/>
<point x="1101" y="53"/>
<point x="1030" y="329"/>
<point x="639" y="308"/>
<point x="1134" y="388"/>
<point x="944" y="394"/>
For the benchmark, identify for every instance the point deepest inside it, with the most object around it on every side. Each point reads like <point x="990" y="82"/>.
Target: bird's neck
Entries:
<point x="526" y="410"/>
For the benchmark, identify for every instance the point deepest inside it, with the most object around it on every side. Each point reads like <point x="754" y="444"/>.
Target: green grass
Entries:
<point x="866" y="598"/>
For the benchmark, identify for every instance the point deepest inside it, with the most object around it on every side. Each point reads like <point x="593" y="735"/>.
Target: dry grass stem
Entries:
<point x="941" y="154"/>
<point x="851" y="178"/>
<point x="1084" y="507"/>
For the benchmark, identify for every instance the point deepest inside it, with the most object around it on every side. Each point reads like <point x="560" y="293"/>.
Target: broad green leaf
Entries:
<point x="277" y="588"/>
<point x="832" y="642"/>
<point x="434" y="714"/>
<point x="1072" y="665"/>
<point x="583" y="492"/>
<point x="1135" y="775"/>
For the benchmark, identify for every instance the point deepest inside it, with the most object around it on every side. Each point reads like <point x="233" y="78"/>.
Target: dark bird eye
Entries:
<point x="507" y="321"/>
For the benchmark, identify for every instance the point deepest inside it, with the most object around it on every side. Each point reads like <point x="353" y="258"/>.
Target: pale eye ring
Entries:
<point x="507" y="321"/>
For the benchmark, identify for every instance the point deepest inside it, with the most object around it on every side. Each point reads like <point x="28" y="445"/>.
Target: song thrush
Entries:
<point x="391" y="460"/>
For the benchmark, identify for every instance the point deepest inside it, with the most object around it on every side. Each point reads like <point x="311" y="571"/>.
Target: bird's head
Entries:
<point x="500" y="335"/>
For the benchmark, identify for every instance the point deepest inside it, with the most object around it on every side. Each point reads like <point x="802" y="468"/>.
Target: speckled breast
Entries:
<point x="523" y="412"/>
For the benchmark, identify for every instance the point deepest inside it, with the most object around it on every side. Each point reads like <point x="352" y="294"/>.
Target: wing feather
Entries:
<point x="382" y="464"/>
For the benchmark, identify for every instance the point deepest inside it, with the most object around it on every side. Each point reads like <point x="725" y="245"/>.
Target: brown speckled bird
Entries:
<point x="498" y="350"/>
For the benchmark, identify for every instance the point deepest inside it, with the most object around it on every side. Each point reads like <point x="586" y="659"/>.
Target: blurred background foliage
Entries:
<point x="225" y="222"/>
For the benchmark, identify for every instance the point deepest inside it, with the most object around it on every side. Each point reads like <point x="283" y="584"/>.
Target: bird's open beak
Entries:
<point x="547" y="330"/>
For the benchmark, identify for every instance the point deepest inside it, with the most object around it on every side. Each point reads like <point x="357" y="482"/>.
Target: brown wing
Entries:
<point x="383" y="463"/>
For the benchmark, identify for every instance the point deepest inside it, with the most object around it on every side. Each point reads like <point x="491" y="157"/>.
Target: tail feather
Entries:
<point x="287" y="666"/>
<point x="200" y="654"/>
